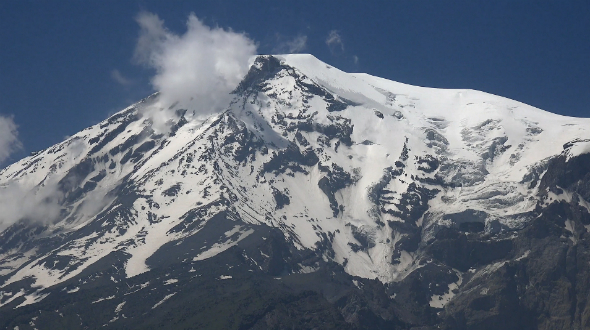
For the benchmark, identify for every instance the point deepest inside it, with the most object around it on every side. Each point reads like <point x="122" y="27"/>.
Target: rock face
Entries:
<point x="317" y="199"/>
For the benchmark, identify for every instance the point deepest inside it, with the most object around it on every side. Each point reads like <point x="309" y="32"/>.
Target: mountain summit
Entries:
<point x="316" y="199"/>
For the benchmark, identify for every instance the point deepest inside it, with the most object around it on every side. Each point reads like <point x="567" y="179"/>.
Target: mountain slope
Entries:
<point x="376" y="203"/>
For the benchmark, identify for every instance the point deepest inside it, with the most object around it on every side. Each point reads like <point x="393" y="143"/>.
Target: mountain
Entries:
<point x="316" y="199"/>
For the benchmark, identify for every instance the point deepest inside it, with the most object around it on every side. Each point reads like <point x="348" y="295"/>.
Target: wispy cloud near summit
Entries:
<point x="196" y="70"/>
<point x="119" y="78"/>
<point x="290" y="46"/>
<point x="334" y="40"/>
<point x="9" y="141"/>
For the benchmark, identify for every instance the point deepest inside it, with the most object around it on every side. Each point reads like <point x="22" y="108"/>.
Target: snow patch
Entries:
<point x="33" y="298"/>
<point x="524" y="255"/>
<point x="170" y="281"/>
<point x="76" y="289"/>
<point x="163" y="300"/>
<point x="217" y="248"/>
<point x="120" y="307"/>
<point x="569" y="226"/>
<point x="103" y="299"/>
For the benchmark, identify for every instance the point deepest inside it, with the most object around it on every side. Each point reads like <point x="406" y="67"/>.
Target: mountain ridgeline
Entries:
<point x="317" y="199"/>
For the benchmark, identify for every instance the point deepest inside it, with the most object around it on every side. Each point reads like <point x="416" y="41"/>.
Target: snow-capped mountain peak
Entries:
<point x="361" y="171"/>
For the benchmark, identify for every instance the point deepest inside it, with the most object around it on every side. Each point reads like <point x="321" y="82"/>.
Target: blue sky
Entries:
<point x="65" y="65"/>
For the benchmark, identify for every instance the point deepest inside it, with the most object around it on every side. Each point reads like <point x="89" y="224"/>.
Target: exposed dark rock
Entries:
<point x="172" y="191"/>
<point x="340" y="129"/>
<point x="428" y="164"/>
<point x="436" y="137"/>
<point x="496" y="148"/>
<point x="335" y="180"/>
<point x="398" y="115"/>
<point x="572" y="174"/>
<point x="363" y="237"/>
<point x="414" y="203"/>
<point x="290" y="158"/>
<point x="462" y="252"/>
<point x="280" y="198"/>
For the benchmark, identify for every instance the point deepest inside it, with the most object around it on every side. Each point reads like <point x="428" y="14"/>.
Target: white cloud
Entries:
<point x="40" y="204"/>
<point x="196" y="70"/>
<point x="9" y="141"/>
<point x="94" y="202"/>
<point x="118" y="77"/>
<point x="295" y="45"/>
<point x="298" y="44"/>
<point x="334" y="40"/>
<point x="355" y="59"/>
